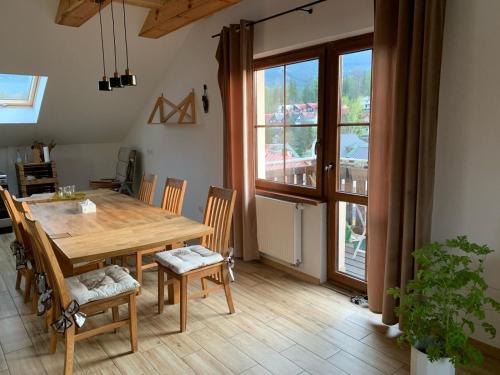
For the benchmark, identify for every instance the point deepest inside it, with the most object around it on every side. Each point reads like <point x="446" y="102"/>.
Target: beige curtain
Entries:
<point x="406" y="69"/>
<point x="235" y="57"/>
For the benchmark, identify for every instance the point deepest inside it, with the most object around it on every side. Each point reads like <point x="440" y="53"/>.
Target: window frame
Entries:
<point x="23" y="103"/>
<point x="287" y="58"/>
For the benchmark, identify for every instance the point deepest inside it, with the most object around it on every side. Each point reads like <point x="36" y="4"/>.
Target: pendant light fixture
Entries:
<point x="115" y="81"/>
<point x="104" y="85"/>
<point x="127" y="79"/>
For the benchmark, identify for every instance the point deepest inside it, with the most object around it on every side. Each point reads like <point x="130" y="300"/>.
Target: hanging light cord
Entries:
<point x="114" y="36"/>
<point x="102" y="40"/>
<point x="125" y="28"/>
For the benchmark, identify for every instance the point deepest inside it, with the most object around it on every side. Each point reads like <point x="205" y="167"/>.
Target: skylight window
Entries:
<point x="21" y="98"/>
<point x="18" y="90"/>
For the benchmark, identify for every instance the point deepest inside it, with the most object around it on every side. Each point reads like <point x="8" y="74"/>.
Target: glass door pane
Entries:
<point x="351" y="235"/>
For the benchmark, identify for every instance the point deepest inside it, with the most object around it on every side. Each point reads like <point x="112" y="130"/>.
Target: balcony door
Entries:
<point x="346" y="162"/>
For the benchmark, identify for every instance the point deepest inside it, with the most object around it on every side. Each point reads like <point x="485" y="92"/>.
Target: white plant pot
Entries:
<point x="420" y="365"/>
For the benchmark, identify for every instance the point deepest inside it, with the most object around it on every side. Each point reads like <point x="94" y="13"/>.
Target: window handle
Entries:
<point x="329" y="166"/>
<point x="316" y="147"/>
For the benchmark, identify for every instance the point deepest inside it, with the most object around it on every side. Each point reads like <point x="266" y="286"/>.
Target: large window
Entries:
<point x="287" y="121"/>
<point x="17" y="90"/>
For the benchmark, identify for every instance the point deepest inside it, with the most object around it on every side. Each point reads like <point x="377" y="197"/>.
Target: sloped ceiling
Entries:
<point x="73" y="111"/>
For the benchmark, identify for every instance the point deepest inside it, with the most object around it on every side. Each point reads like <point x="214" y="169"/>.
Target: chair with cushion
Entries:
<point x="87" y="293"/>
<point x="209" y="261"/>
<point x="147" y="188"/>
<point x="19" y="247"/>
<point x="23" y="211"/>
<point x="173" y="198"/>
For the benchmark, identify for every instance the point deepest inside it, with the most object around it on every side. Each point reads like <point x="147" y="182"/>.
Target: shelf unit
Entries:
<point x="45" y="178"/>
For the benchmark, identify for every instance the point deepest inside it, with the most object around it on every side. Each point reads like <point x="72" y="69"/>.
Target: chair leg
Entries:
<point x="204" y="286"/>
<point x="70" y="350"/>
<point x="161" y="289"/>
<point x="124" y="261"/>
<point x="138" y="267"/>
<point x="52" y="334"/>
<point x="19" y="275"/>
<point x="116" y="315"/>
<point x="34" y="301"/>
<point x="173" y="293"/>
<point x="184" y="301"/>
<point x="132" y="316"/>
<point x="227" y="290"/>
<point x="27" y="286"/>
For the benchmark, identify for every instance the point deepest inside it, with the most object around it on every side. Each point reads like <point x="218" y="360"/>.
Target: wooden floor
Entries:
<point x="282" y="326"/>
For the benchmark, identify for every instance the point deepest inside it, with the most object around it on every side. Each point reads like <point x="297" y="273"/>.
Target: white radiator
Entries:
<point x="279" y="229"/>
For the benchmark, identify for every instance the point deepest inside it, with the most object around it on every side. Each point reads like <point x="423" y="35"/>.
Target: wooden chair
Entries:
<point x="64" y="297"/>
<point x="215" y="250"/>
<point x="147" y="188"/>
<point x="173" y="195"/>
<point x="173" y="198"/>
<point x="25" y="272"/>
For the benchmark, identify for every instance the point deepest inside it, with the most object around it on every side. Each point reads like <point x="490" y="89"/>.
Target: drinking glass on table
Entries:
<point x="72" y="190"/>
<point x="61" y="192"/>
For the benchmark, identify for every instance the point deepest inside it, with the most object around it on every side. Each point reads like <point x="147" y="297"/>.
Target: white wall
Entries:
<point x="73" y="111"/>
<point x="468" y="148"/>
<point x="194" y="152"/>
<point x="76" y="164"/>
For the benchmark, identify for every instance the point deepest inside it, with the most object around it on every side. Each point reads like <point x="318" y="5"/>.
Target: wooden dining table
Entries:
<point x="121" y="225"/>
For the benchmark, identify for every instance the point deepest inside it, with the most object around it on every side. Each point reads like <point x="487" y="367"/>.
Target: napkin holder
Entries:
<point x="86" y="207"/>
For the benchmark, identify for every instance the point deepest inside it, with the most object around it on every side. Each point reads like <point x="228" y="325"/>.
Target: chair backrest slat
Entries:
<point x="147" y="188"/>
<point x="218" y="215"/>
<point x="14" y="215"/>
<point x="173" y="195"/>
<point x="50" y="263"/>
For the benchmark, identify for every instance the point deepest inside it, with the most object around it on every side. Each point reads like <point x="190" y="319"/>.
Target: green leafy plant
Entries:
<point x="446" y="300"/>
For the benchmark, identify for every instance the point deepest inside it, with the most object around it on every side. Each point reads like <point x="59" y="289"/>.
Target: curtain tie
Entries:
<point x="230" y="263"/>
<point x="19" y="252"/>
<point x="64" y="321"/>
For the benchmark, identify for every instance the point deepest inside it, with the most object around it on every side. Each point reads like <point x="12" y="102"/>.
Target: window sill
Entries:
<point x="290" y="198"/>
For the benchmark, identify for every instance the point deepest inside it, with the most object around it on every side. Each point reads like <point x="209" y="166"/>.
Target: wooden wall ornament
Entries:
<point x="186" y="110"/>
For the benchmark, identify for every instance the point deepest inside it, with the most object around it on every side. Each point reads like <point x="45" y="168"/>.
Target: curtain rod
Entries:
<point x="297" y="9"/>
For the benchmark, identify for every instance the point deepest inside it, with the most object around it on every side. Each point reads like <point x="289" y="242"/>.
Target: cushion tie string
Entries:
<point x="44" y="302"/>
<point x="45" y="299"/>
<point x="19" y="252"/>
<point x="230" y="264"/>
<point x="65" y="321"/>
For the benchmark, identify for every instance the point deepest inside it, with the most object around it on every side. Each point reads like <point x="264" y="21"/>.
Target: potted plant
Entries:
<point x="441" y="307"/>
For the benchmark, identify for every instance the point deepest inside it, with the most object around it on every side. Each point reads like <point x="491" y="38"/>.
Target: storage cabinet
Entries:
<point x="36" y="178"/>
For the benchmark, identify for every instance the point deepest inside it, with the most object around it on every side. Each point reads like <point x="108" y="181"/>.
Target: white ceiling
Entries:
<point x="73" y="110"/>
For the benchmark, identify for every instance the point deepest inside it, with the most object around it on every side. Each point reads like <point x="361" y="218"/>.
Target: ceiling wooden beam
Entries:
<point x="77" y="12"/>
<point x="178" y="13"/>
<point x="164" y="17"/>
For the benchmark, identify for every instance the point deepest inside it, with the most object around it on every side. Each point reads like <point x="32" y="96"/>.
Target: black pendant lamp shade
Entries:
<point x="127" y="79"/>
<point x="104" y="85"/>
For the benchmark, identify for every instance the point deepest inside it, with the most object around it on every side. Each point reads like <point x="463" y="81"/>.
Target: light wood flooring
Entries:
<point x="282" y="326"/>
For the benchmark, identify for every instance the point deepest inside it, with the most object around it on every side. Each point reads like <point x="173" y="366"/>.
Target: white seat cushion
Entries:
<point x="100" y="284"/>
<point x="188" y="258"/>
